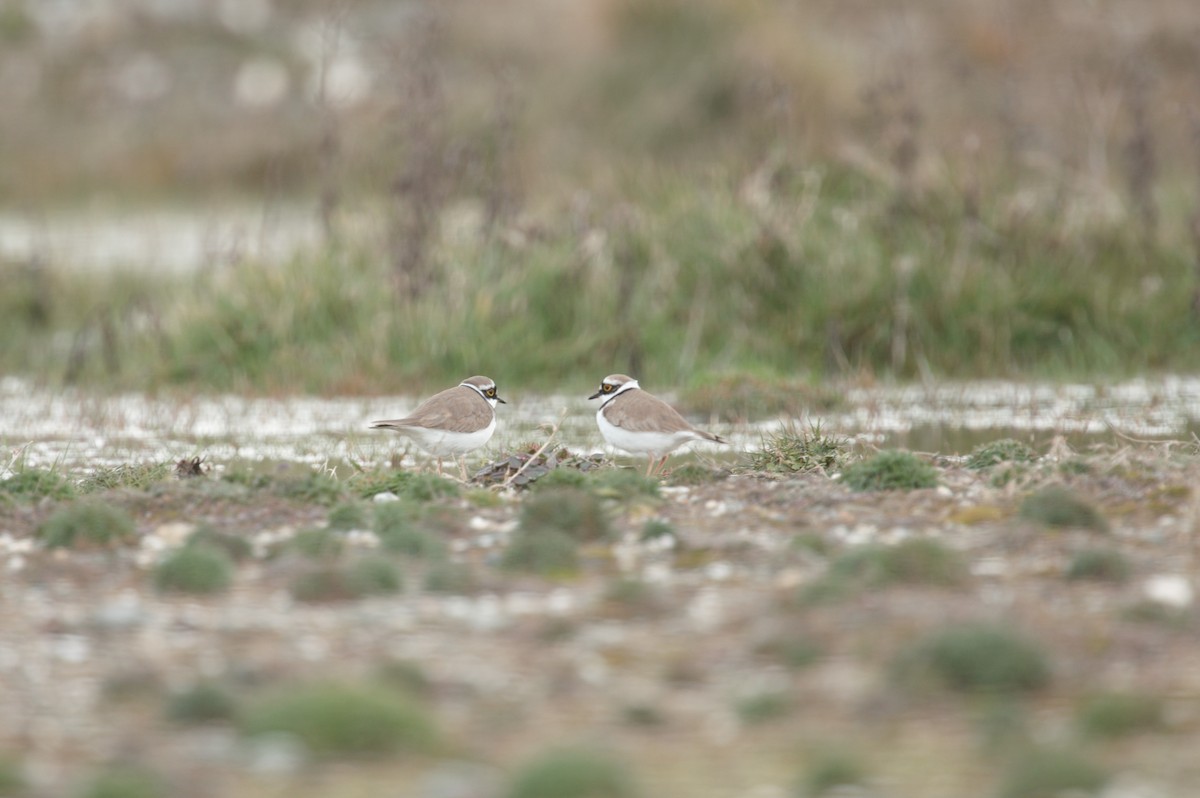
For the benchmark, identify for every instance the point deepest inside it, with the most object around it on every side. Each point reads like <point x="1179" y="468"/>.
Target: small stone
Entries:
<point x="461" y="780"/>
<point x="1172" y="590"/>
<point x="275" y="754"/>
<point x="386" y="496"/>
<point x="174" y="534"/>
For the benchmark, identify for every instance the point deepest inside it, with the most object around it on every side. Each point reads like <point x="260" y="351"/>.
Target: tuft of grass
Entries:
<point x="890" y="470"/>
<point x="622" y="484"/>
<point x="310" y="487"/>
<point x="642" y="716"/>
<point x="34" y="484"/>
<point x="542" y="550"/>
<point x="794" y="653"/>
<point x="413" y="542"/>
<point x="915" y="561"/>
<point x="373" y="577"/>
<point x="408" y="677"/>
<point x="573" y="773"/>
<point x="1100" y="565"/>
<point x="1119" y="714"/>
<point x="236" y="546"/>
<point x="12" y="780"/>
<point x="87" y="524"/>
<point x="125" y="782"/>
<point x="138" y="476"/>
<point x="831" y="770"/>
<point x="347" y="516"/>
<point x="335" y="719"/>
<point x="417" y="486"/>
<point x="573" y="512"/>
<point x="791" y="450"/>
<point x="696" y="474"/>
<point x="764" y="707"/>
<point x="977" y="658"/>
<point x="317" y="543"/>
<point x="561" y="478"/>
<point x="361" y="578"/>
<point x="1050" y="773"/>
<point x="445" y="576"/>
<point x="656" y="528"/>
<point x="204" y="702"/>
<point x="196" y="569"/>
<point x="1005" y="450"/>
<point x="1055" y="506"/>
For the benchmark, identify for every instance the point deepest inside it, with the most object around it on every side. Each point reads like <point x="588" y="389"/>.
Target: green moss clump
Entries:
<point x="1119" y="714"/>
<point x="1056" y="506"/>
<point x="543" y="551"/>
<point x="1100" y="565"/>
<point x="345" y="720"/>
<point x="576" y="513"/>
<point x="1049" y="773"/>
<point x="978" y="658"/>
<point x="890" y="470"/>
<point x="125" y="782"/>
<point x="573" y="774"/>
<point x="830" y="770"/>
<point x="201" y="703"/>
<point x="196" y="569"/>
<point x="87" y="524"/>
<point x="347" y="516"/>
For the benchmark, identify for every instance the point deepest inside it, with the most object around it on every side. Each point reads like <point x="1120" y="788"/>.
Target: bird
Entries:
<point x="640" y="423"/>
<point x="451" y="423"/>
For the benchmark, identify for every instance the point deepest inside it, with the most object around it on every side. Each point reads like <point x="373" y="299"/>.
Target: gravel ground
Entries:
<point x="687" y="679"/>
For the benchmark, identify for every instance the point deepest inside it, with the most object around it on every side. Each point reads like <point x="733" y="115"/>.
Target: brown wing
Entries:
<point x="456" y="409"/>
<point x="638" y="411"/>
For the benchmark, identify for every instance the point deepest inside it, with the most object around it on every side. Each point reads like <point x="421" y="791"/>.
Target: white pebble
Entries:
<point x="1172" y="590"/>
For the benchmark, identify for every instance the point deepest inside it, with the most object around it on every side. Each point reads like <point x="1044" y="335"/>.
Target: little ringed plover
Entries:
<point x="451" y="423"/>
<point x="641" y="423"/>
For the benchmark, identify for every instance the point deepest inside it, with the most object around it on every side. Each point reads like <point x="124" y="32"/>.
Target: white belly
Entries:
<point x="655" y="444"/>
<point x="440" y="443"/>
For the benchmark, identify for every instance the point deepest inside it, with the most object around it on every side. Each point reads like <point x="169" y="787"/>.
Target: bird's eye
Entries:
<point x="607" y="388"/>
<point x="491" y="393"/>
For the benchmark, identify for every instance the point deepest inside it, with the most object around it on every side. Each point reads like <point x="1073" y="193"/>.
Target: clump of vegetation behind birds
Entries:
<point x="792" y="450"/>
<point x="1005" y="450"/>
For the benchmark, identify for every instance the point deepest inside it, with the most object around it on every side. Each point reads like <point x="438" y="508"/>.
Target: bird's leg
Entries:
<point x="439" y="466"/>
<point x="659" y="467"/>
<point x="650" y="465"/>
<point x="462" y="466"/>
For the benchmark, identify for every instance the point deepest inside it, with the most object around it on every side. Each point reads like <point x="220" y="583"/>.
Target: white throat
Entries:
<point x="478" y="390"/>
<point x="629" y="386"/>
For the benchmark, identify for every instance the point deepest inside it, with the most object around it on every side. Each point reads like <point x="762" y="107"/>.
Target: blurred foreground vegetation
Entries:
<point x="679" y="190"/>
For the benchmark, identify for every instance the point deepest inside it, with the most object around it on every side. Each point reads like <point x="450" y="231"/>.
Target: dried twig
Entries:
<point x="540" y="449"/>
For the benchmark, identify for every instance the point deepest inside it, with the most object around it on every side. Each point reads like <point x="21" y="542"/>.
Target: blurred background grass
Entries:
<point x="547" y="192"/>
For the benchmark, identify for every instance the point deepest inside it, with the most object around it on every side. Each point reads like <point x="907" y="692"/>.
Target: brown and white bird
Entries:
<point x="641" y="423"/>
<point x="451" y="423"/>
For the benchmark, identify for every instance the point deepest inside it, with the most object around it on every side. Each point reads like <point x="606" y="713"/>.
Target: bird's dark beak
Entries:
<point x="593" y="396"/>
<point x="501" y="401"/>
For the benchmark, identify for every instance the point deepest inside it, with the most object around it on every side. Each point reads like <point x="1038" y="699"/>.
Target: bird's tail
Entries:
<point x="708" y="436"/>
